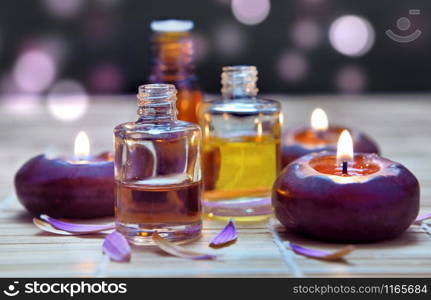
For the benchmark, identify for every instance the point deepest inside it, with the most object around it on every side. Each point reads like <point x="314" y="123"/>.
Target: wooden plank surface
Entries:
<point x="401" y="124"/>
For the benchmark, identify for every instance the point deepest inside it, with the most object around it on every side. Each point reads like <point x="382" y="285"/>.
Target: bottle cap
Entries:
<point x="172" y="25"/>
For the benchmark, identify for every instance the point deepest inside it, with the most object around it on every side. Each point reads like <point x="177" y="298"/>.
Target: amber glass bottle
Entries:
<point x="172" y="62"/>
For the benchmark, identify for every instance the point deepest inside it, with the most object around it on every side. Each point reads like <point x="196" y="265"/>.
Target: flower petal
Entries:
<point x="422" y="218"/>
<point x="76" y="228"/>
<point x="225" y="237"/>
<point x="48" y="227"/>
<point x="320" y="254"/>
<point x="116" y="247"/>
<point x="179" y="251"/>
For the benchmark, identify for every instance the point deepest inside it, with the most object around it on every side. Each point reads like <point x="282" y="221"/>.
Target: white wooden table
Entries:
<point x="401" y="124"/>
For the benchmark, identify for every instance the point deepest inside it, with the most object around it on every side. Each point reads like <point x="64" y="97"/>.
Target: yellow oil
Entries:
<point x="238" y="169"/>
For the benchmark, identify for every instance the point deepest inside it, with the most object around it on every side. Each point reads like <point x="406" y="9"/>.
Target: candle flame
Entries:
<point x="206" y="130"/>
<point x="319" y="120"/>
<point x="281" y="119"/>
<point x="206" y="122"/>
<point x="345" y="147"/>
<point x="82" y="145"/>
<point x="259" y="130"/>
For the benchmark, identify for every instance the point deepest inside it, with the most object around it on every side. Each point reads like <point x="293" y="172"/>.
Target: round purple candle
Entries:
<point x="377" y="199"/>
<point x="67" y="188"/>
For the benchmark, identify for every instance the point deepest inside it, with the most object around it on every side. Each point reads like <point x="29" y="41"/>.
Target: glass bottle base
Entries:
<point x="242" y="209"/>
<point x="141" y="234"/>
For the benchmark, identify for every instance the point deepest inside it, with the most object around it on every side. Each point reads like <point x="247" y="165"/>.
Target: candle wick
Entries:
<point x="344" y="167"/>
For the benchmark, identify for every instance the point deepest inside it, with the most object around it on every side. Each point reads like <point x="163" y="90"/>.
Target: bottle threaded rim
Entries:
<point x="240" y="69"/>
<point x="156" y="92"/>
<point x="239" y="80"/>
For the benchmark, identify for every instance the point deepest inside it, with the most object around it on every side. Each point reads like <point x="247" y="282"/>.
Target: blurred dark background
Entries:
<point x="299" y="46"/>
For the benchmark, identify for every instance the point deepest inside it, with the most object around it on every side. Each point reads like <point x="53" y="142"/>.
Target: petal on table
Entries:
<point x="76" y="228"/>
<point x="320" y="254"/>
<point x="117" y="247"/>
<point x="422" y="218"/>
<point x="179" y="251"/>
<point x="48" y="227"/>
<point x="225" y="237"/>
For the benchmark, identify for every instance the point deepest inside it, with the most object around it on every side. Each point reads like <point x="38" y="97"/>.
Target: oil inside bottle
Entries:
<point x="149" y="205"/>
<point x="240" y="148"/>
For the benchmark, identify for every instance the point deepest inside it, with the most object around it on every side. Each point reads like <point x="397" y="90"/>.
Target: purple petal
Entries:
<point x="202" y="257"/>
<point x="179" y="251"/>
<point x="225" y="237"/>
<point x="116" y="247"/>
<point x="49" y="228"/>
<point x="320" y="254"/>
<point x="76" y="228"/>
<point x="422" y="218"/>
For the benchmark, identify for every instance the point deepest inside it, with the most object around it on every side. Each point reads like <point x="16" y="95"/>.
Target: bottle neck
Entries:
<point x="239" y="82"/>
<point x="156" y="103"/>
<point x="172" y="57"/>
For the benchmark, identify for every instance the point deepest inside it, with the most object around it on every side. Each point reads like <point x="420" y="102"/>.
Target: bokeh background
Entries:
<point x="299" y="46"/>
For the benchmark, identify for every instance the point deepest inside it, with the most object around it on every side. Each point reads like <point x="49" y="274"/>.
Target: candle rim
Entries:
<point x="291" y="136"/>
<point x="387" y="168"/>
<point x="353" y="171"/>
<point x="103" y="157"/>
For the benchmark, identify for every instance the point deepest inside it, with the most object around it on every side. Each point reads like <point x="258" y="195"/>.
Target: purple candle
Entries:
<point x="346" y="198"/>
<point x="80" y="187"/>
<point x="320" y="137"/>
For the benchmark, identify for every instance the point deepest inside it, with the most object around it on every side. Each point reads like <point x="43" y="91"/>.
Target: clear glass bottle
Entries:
<point x="172" y="62"/>
<point x="158" y="171"/>
<point x="240" y="148"/>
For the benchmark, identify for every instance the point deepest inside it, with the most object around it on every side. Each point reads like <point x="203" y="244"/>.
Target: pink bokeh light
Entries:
<point x="292" y="66"/>
<point x="351" y="35"/>
<point x="34" y="71"/>
<point x="21" y="104"/>
<point x="63" y="8"/>
<point x="67" y="100"/>
<point x="251" y="12"/>
<point x="307" y="34"/>
<point x="350" y="79"/>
